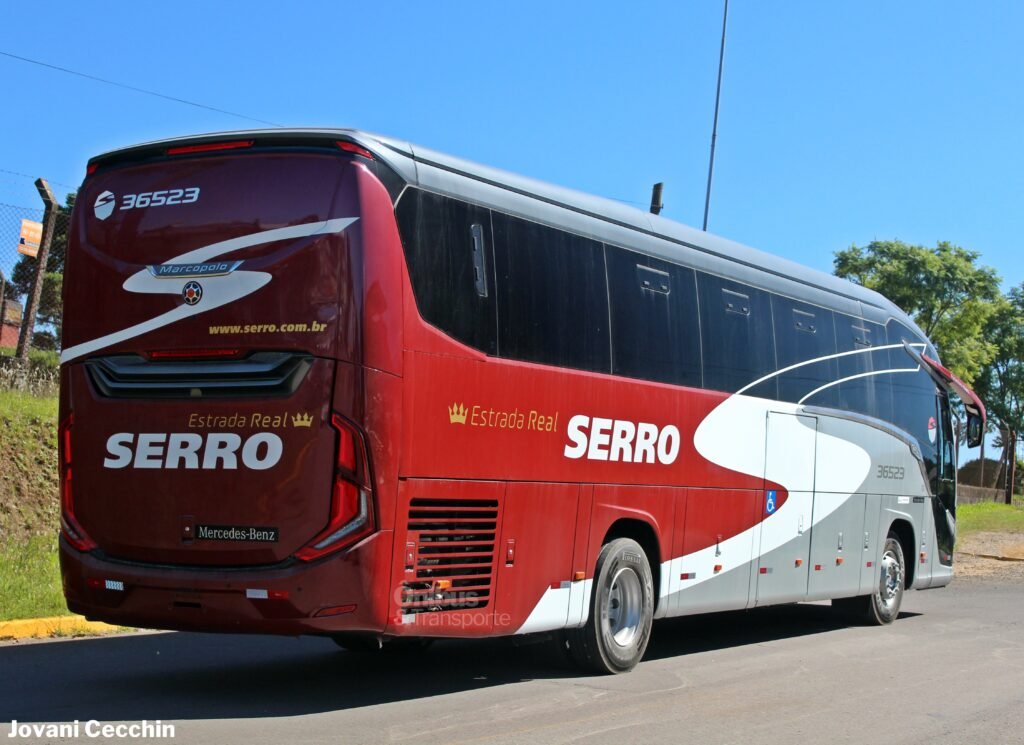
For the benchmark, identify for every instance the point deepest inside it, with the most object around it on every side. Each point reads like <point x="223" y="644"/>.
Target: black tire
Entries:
<point x="618" y="628"/>
<point x="881" y="607"/>
<point x="358" y="643"/>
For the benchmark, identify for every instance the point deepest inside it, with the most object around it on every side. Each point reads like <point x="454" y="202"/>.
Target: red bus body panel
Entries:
<point x="442" y="422"/>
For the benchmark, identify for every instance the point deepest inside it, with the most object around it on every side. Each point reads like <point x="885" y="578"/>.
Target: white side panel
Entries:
<point x="579" y="602"/>
<point x="790" y="449"/>
<point x="551" y="612"/>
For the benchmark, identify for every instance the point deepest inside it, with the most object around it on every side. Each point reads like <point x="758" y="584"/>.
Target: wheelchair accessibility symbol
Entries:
<point x="769" y="506"/>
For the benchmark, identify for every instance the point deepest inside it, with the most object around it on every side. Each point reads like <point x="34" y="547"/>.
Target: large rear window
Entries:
<point x="145" y="212"/>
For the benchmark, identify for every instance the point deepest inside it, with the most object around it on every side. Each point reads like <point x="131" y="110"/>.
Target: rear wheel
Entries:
<point x="621" y="611"/>
<point x="883" y="605"/>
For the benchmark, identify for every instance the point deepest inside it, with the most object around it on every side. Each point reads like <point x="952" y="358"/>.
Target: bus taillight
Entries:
<point x="72" y="531"/>
<point x="351" y="147"/>
<point x="209" y="147"/>
<point x="351" y="515"/>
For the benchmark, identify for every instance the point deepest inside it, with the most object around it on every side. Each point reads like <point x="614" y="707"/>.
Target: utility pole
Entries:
<point x="28" y="325"/>
<point x="714" y="127"/>
<point x="1011" y="467"/>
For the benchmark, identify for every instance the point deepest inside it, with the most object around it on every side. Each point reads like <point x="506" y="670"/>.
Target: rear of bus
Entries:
<point x="217" y="468"/>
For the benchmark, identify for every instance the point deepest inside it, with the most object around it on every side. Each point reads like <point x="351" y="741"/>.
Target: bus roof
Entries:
<point x="586" y="214"/>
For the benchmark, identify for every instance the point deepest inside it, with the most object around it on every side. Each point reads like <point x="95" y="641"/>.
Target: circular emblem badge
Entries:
<point x="192" y="292"/>
<point x="104" y="205"/>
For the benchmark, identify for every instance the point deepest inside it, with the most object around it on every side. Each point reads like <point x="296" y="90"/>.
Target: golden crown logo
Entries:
<point x="302" y="420"/>
<point x="456" y="414"/>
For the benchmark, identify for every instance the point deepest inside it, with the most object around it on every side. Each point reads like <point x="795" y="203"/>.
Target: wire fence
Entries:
<point x="20" y="234"/>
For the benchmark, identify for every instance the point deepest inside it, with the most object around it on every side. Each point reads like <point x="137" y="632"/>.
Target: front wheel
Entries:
<point x="886" y="600"/>
<point x="883" y="605"/>
<point x="621" y="611"/>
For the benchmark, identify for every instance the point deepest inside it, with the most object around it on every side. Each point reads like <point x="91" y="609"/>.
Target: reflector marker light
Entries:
<point x="924" y="558"/>
<point x="260" y="594"/>
<point x="688" y="575"/>
<point x="766" y="570"/>
<point x="91" y="169"/>
<point x="839" y="561"/>
<point x="718" y="568"/>
<point x="798" y="563"/>
<point x="208" y="147"/>
<point x="335" y="610"/>
<point x="870" y="564"/>
<point x="96" y="583"/>
<point x="817" y="567"/>
<point x="579" y="576"/>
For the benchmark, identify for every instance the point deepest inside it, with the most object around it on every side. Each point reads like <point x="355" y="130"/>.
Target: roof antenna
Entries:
<point x="656" y="205"/>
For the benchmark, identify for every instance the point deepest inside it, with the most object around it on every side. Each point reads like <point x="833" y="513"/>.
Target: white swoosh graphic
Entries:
<point x="217" y="291"/>
<point x="733" y="436"/>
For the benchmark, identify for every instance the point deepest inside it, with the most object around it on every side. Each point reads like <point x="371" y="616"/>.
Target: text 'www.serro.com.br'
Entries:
<point x="270" y="328"/>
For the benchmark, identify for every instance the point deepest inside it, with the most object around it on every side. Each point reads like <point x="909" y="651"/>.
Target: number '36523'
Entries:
<point x="165" y="197"/>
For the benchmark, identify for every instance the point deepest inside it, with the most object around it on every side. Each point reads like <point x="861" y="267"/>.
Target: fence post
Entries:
<point x="32" y="306"/>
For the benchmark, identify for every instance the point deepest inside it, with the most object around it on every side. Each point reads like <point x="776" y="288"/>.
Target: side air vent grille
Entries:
<point x="450" y="544"/>
<point x="259" y="374"/>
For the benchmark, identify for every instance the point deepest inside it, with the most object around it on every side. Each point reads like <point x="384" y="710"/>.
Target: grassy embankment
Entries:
<point x="29" y="507"/>
<point x="990" y="517"/>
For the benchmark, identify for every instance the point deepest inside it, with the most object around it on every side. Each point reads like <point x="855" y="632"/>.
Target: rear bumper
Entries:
<point x="232" y="600"/>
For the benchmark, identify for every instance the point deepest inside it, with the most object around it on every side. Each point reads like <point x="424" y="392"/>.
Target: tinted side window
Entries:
<point x="448" y="249"/>
<point x="880" y="405"/>
<point x="805" y="332"/>
<point x="914" y="402"/>
<point x="857" y="391"/>
<point x="655" y="333"/>
<point x="552" y="296"/>
<point x="736" y="336"/>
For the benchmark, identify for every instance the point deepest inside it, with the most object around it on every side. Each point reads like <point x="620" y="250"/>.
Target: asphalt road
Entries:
<point x="951" y="669"/>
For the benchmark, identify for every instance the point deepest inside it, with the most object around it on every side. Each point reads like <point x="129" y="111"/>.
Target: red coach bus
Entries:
<point x="325" y="382"/>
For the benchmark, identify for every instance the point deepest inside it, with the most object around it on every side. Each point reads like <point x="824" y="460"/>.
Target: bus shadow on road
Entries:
<point x="188" y="676"/>
<point x="717" y="631"/>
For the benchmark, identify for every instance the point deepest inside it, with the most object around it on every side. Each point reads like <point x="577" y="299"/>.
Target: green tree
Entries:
<point x="944" y="289"/>
<point x="24" y="271"/>
<point x="1001" y="383"/>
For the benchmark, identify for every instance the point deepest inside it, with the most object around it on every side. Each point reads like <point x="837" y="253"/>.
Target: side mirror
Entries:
<point x="974" y="433"/>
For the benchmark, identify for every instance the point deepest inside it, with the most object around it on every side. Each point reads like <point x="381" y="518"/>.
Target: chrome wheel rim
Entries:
<point x="891" y="584"/>
<point x="623" y="607"/>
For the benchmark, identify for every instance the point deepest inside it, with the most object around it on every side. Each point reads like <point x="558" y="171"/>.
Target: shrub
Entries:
<point x="43" y="378"/>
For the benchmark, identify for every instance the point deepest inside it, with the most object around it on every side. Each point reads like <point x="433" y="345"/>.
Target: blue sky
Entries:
<point x="840" y="122"/>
